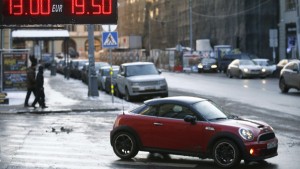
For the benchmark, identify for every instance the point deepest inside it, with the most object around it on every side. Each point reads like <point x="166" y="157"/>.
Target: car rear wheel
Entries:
<point x="124" y="145"/>
<point x="282" y="86"/>
<point x="226" y="154"/>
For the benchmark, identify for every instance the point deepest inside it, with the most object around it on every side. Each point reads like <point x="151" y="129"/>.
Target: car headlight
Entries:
<point x="245" y="70"/>
<point x="263" y="70"/>
<point x="246" y="134"/>
<point x="214" y="66"/>
<point x="162" y="82"/>
<point x="134" y="84"/>
<point x="200" y="66"/>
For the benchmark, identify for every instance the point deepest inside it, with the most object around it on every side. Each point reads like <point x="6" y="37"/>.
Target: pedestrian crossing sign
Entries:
<point x="110" y="40"/>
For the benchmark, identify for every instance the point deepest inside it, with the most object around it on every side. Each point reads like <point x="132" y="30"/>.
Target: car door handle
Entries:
<point x="158" y="124"/>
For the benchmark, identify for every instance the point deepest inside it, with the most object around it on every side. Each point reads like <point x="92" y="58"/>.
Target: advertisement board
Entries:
<point x="14" y="66"/>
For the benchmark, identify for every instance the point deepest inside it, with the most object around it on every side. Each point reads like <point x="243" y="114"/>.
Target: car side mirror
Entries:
<point x="190" y="119"/>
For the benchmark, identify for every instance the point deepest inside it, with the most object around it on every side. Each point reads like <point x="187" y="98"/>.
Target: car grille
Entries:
<point x="267" y="136"/>
<point x="149" y="83"/>
<point x="255" y="71"/>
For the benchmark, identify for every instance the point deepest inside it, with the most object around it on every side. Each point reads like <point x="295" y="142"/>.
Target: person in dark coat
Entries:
<point x="40" y="95"/>
<point x="30" y="80"/>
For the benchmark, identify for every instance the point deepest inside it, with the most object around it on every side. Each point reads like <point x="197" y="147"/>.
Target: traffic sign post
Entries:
<point x="110" y="40"/>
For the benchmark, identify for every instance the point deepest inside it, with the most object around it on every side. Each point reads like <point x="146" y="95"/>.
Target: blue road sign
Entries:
<point x="110" y="40"/>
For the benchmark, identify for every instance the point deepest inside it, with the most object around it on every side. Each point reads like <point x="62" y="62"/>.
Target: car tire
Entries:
<point x="228" y="74"/>
<point x="226" y="154"/>
<point x="127" y="95"/>
<point x="124" y="145"/>
<point x="241" y="76"/>
<point x="117" y="92"/>
<point x="283" y="87"/>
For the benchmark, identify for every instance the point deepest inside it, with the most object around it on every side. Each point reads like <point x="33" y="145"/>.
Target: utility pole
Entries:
<point x="298" y="27"/>
<point x="92" y="80"/>
<point x="191" y="26"/>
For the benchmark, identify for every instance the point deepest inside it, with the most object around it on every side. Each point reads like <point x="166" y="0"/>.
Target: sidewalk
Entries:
<point x="64" y="95"/>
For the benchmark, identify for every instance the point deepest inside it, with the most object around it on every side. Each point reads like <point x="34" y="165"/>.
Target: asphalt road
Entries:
<point x="81" y="140"/>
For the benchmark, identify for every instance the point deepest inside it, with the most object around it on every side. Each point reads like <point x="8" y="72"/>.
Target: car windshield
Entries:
<point x="138" y="70"/>
<point x="208" y="61"/>
<point x="209" y="111"/>
<point x="247" y="62"/>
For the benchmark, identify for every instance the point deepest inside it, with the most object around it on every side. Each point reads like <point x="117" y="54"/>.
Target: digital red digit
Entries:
<point x="78" y="7"/>
<point x="106" y="7"/>
<point x="34" y="7"/>
<point x="97" y="7"/>
<point x="45" y="7"/>
<point x="15" y="7"/>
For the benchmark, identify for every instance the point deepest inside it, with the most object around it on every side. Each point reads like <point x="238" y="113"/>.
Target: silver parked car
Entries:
<point x="140" y="79"/>
<point x="245" y="68"/>
<point x="104" y="73"/>
<point x="290" y="76"/>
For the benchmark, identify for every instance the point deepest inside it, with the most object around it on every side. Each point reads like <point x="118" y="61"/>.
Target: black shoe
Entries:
<point x="44" y="107"/>
<point x="33" y="106"/>
<point x="26" y="105"/>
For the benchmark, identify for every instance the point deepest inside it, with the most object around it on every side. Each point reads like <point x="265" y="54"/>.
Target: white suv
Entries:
<point x="140" y="79"/>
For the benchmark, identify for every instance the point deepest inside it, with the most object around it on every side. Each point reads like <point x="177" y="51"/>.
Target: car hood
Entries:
<point x="246" y="124"/>
<point x="145" y="78"/>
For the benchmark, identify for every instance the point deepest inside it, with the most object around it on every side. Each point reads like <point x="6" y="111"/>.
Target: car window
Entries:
<point x="209" y="110"/>
<point x="137" y="70"/>
<point x="174" y="111"/>
<point x="145" y="110"/>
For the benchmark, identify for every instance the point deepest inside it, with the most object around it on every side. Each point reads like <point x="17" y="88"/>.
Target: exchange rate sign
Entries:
<point x="14" y="12"/>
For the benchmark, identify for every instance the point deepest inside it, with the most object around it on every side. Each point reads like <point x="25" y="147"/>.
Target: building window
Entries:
<point x="71" y="28"/>
<point x="290" y="5"/>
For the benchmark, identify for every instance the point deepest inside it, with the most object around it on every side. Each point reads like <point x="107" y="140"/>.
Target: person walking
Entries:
<point x="30" y="80"/>
<point x="40" y="95"/>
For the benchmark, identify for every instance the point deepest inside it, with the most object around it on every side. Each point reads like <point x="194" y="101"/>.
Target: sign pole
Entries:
<point x="92" y="80"/>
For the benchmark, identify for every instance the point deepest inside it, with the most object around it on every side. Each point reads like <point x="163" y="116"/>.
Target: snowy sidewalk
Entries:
<point x="64" y="95"/>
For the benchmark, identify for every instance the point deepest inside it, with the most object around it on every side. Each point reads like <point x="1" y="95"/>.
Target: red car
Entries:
<point x="194" y="127"/>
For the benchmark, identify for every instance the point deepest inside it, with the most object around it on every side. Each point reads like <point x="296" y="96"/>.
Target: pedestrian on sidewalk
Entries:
<point x="30" y="80"/>
<point x="40" y="95"/>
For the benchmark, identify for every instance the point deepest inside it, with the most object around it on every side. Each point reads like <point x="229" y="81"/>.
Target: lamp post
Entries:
<point x="191" y="26"/>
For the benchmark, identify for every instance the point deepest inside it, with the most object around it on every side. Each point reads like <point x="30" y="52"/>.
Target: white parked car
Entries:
<point x="267" y="65"/>
<point x="140" y="79"/>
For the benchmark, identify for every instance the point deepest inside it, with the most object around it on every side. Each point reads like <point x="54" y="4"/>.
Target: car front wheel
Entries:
<point x="124" y="145"/>
<point x="282" y="86"/>
<point x="226" y="154"/>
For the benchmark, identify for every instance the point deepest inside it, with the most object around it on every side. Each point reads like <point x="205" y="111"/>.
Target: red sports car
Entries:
<point x="194" y="127"/>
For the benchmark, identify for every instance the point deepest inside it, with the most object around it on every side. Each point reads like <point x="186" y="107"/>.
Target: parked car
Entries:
<point x="85" y="70"/>
<point x="245" y="68"/>
<point x="140" y="79"/>
<point x="192" y="126"/>
<point x="111" y="80"/>
<point x="280" y="66"/>
<point x="208" y="65"/>
<point x="290" y="76"/>
<point x="104" y="73"/>
<point x="76" y="66"/>
<point x="267" y="65"/>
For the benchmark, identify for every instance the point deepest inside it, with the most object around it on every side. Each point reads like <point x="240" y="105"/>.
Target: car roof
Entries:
<point x="108" y="67"/>
<point x="137" y="63"/>
<point x="185" y="100"/>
